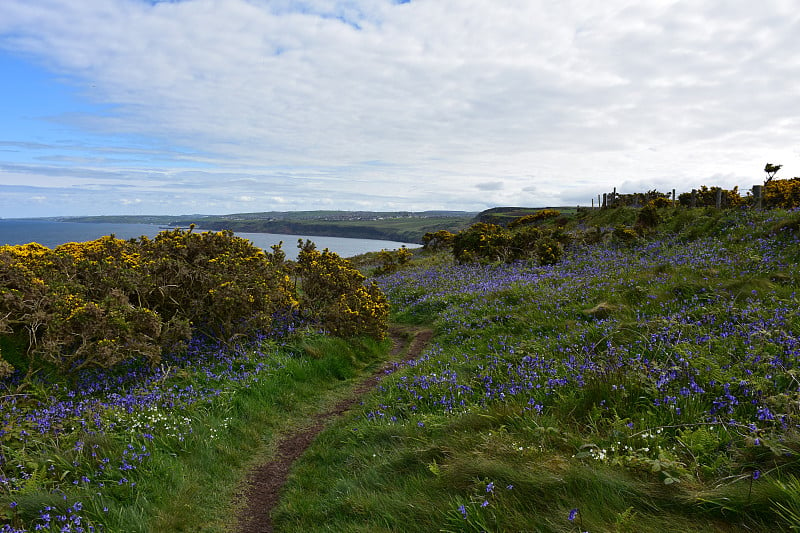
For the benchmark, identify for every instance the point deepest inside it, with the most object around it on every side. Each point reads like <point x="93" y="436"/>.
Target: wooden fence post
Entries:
<point x="758" y="195"/>
<point x="719" y="199"/>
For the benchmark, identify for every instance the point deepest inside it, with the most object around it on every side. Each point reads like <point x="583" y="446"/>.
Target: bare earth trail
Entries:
<point x="264" y="483"/>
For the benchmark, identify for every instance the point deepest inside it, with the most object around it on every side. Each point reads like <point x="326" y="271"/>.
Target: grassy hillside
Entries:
<point x="647" y="382"/>
<point x="504" y="215"/>
<point x="402" y="229"/>
<point x="396" y="226"/>
<point x="641" y="386"/>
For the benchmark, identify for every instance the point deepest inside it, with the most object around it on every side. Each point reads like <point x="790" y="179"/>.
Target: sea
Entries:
<point x="53" y="233"/>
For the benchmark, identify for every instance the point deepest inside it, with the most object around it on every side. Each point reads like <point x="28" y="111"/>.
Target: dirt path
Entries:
<point x="263" y="484"/>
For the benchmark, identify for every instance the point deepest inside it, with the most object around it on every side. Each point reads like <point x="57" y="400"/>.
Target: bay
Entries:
<point x="52" y="233"/>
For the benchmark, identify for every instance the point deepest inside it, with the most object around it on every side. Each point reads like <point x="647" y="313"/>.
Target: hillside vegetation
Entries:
<point x="139" y="378"/>
<point x="622" y="369"/>
<point x="647" y="381"/>
<point x="393" y="226"/>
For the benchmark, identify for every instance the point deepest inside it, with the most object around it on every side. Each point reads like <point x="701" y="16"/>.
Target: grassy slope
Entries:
<point x="180" y="466"/>
<point x="203" y="483"/>
<point x="471" y="438"/>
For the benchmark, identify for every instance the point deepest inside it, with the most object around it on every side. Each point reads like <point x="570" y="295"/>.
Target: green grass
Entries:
<point x="606" y="445"/>
<point x="191" y="483"/>
<point x="402" y="463"/>
<point x="203" y="495"/>
<point x="407" y="478"/>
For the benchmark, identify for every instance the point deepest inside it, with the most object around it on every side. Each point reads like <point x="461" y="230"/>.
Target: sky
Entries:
<point x="225" y="106"/>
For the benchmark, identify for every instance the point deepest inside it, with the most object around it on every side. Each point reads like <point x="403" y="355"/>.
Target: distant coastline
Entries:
<point x="400" y="226"/>
<point x="52" y="233"/>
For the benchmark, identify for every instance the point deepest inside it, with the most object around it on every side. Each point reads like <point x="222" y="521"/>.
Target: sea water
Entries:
<point x="52" y="233"/>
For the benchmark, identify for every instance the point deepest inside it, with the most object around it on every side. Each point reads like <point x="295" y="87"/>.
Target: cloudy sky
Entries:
<point x="222" y="106"/>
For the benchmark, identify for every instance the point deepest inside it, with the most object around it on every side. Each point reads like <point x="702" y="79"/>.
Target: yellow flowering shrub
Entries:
<point x="437" y="240"/>
<point x="623" y="234"/>
<point x="222" y="285"/>
<point x="542" y="214"/>
<point x="490" y="242"/>
<point x="333" y="292"/>
<point x="707" y="197"/>
<point x="782" y="193"/>
<point x="106" y="301"/>
<point x="549" y="251"/>
<point x="482" y="241"/>
<point x="82" y="333"/>
<point x="391" y="260"/>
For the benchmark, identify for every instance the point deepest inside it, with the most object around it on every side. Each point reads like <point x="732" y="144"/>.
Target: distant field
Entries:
<point x="393" y="226"/>
<point x="395" y="229"/>
<point x="402" y="226"/>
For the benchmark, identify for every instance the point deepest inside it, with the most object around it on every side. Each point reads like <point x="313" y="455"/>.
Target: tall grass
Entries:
<point x="645" y="387"/>
<point x="164" y="451"/>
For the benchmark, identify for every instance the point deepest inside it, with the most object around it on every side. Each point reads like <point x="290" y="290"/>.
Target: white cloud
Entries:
<point x="374" y="103"/>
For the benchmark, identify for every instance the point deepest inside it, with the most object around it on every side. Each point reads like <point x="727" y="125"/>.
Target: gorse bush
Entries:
<point x="106" y="301"/>
<point x="535" y="217"/>
<point x="437" y="240"/>
<point x="489" y="242"/>
<point x="482" y="241"/>
<point x="223" y="285"/>
<point x="333" y="293"/>
<point x="648" y="216"/>
<point x="44" y="300"/>
<point x="782" y="193"/>
<point x="707" y="197"/>
<point x="391" y="260"/>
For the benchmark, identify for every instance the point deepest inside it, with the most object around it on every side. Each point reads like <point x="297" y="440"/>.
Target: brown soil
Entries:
<point x="264" y="483"/>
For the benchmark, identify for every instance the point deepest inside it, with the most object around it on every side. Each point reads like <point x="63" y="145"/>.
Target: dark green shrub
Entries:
<point x="648" y="217"/>
<point x="438" y="240"/>
<point x="482" y="241"/>
<point x="707" y="197"/>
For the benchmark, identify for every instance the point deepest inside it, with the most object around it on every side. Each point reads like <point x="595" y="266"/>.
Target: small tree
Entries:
<point x="771" y="170"/>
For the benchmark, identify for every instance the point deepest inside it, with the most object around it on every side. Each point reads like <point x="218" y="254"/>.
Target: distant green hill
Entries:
<point x="504" y="215"/>
<point x="403" y="226"/>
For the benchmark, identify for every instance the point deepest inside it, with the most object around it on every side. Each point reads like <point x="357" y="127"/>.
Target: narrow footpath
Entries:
<point x="264" y="483"/>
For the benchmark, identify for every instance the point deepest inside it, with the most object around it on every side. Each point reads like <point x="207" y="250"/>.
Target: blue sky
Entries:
<point x="208" y="106"/>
